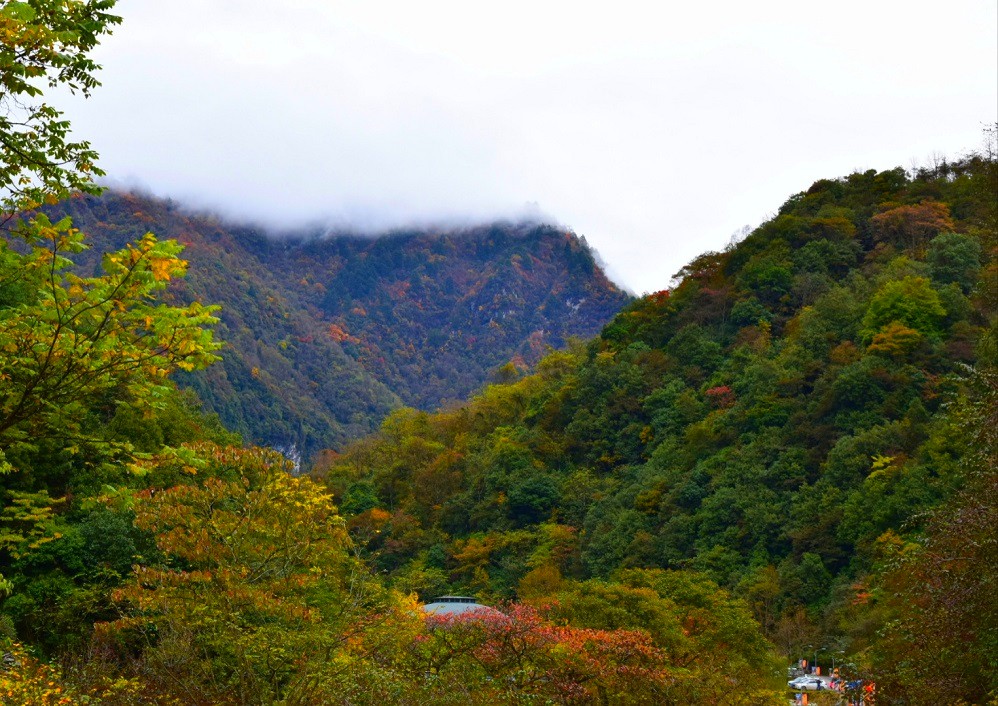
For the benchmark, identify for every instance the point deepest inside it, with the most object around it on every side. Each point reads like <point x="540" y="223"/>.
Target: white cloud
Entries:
<point x="655" y="130"/>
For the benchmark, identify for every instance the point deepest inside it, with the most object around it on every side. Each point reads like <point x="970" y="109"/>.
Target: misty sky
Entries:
<point x="654" y="129"/>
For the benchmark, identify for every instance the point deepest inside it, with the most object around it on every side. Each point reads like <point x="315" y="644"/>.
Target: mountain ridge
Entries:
<point x="326" y="333"/>
<point x="797" y="419"/>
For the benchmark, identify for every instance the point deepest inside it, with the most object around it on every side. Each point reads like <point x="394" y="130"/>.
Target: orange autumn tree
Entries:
<point x="648" y="637"/>
<point x="712" y="647"/>
<point x="912" y="226"/>
<point x="255" y="593"/>
<point x="512" y="655"/>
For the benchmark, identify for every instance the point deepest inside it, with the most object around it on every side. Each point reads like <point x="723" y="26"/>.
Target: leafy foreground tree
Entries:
<point x="78" y="354"/>
<point x="66" y="340"/>
<point x="45" y="42"/>
<point x="255" y="594"/>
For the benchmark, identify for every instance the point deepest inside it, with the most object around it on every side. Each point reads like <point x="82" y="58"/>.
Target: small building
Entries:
<point x="456" y="605"/>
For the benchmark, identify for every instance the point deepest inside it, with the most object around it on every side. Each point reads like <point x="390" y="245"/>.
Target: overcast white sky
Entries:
<point x="654" y="129"/>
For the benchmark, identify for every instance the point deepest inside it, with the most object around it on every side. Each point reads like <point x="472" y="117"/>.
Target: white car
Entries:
<point x="806" y="684"/>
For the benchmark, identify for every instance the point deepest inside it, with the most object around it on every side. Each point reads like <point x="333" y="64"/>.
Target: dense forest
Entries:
<point x="791" y="452"/>
<point x="806" y="418"/>
<point x="327" y="333"/>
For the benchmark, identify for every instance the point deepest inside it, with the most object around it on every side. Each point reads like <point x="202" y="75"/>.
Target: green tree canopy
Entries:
<point x="66" y="341"/>
<point x="910" y="301"/>
<point x="45" y="43"/>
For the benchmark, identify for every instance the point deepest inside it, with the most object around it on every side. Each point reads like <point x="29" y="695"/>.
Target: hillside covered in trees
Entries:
<point x="807" y="418"/>
<point x="326" y="333"/>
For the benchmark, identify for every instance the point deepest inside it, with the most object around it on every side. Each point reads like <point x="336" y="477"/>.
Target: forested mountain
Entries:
<point x="797" y="419"/>
<point x="326" y="333"/>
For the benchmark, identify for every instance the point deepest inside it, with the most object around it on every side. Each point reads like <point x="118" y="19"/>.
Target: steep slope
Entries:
<point x="779" y="420"/>
<point x="326" y="334"/>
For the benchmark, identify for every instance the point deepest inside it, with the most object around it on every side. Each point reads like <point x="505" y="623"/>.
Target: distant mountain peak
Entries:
<point x="328" y="330"/>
